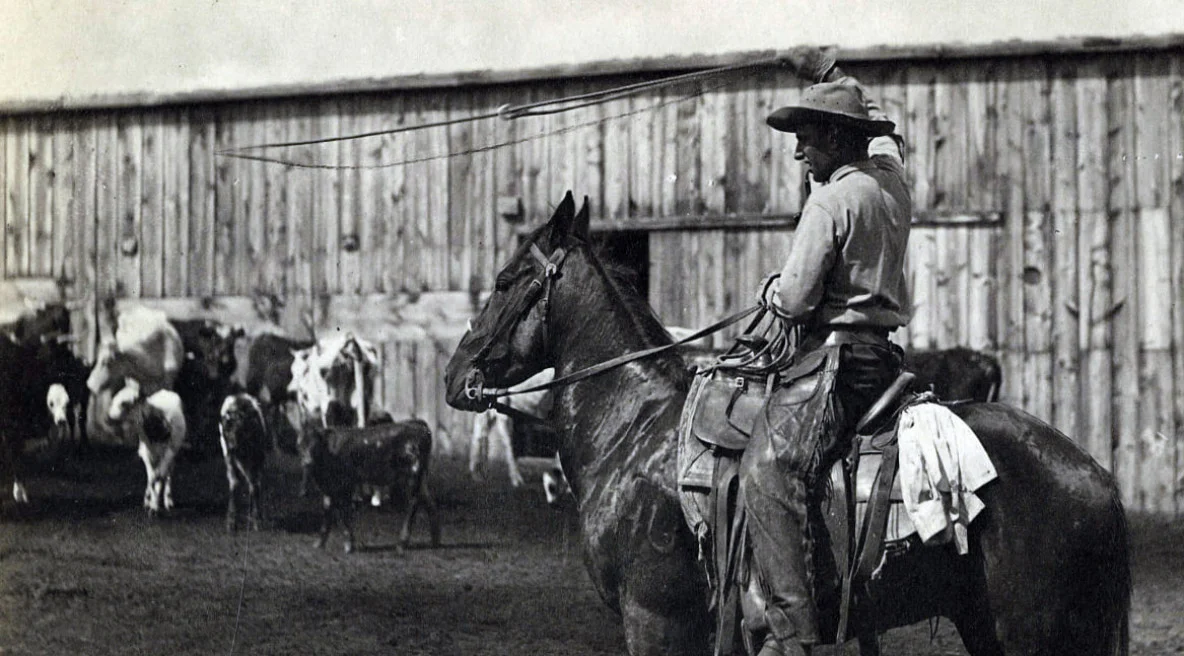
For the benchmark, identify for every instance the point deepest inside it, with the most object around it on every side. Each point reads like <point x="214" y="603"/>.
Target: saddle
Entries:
<point x="864" y="506"/>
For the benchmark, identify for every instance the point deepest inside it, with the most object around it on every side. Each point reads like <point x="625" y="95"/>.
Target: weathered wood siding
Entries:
<point x="1052" y="190"/>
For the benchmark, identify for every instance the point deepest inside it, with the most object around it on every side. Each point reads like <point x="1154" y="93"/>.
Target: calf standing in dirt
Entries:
<point x="158" y="422"/>
<point x="395" y="454"/>
<point x="245" y="443"/>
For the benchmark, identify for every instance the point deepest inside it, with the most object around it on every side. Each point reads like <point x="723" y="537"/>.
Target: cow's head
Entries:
<point x="58" y="402"/>
<point x="212" y="350"/>
<point x="334" y="380"/>
<point x="239" y="412"/>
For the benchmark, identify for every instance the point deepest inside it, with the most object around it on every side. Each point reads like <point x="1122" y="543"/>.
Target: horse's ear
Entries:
<point x="580" y="225"/>
<point x="562" y="220"/>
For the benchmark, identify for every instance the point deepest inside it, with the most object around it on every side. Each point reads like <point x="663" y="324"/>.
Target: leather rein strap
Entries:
<point x="602" y="367"/>
<point x="541" y="286"/>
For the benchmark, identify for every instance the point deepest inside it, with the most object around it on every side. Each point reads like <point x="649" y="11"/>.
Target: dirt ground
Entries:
<point x="83" y="570"/>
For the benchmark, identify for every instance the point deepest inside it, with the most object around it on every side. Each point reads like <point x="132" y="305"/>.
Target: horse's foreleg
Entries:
<point x="671" y="633"/>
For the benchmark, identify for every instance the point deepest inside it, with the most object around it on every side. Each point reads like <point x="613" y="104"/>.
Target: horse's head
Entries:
<point x="507" y="342"/>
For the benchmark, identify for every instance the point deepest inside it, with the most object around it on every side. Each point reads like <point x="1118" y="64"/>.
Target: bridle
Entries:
<point x="540" y="291"/>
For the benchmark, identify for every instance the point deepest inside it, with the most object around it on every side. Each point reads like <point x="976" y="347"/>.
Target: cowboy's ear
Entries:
<point x="561" y="220"/>
<point x="582" y="220"/>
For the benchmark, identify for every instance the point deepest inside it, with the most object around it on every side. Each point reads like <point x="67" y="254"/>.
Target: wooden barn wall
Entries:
<point x="1077" y="286"/>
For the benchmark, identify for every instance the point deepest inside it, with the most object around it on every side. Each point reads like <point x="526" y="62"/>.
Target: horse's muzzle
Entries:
<point x="467" y="392"/>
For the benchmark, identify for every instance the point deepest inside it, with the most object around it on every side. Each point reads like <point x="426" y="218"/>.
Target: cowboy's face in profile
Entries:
<point x="817" y="147"/>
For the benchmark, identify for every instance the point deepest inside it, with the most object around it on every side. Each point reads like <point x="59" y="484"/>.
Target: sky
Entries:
<point x="78" y="49"/>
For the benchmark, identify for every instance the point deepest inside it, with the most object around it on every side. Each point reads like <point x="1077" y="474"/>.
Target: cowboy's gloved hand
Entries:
<point x="810" y="63"/>
<point x="766" y="294"/>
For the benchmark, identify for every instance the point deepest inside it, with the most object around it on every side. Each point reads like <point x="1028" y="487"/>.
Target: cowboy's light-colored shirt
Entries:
<point x="846" y="264"/>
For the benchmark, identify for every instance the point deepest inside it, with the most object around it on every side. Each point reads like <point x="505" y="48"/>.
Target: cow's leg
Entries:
<point x="166" y="484"/>
<point x="19" y="494"/>
<point x="254" y="492"/>
<point x="422" y="496"/>
<point x="347" y="520"/>
<point x="479" y="445"/>
<point x="231" y="509"/>
<point x="326" y="521"/>
<point x="504" y="428"/>
<point x="149" y="475"/>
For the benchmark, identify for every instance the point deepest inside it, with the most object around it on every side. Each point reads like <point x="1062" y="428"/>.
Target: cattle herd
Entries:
<point x="169" y="385"/>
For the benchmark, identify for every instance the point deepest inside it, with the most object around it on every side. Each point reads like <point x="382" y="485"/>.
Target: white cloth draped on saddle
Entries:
<point x="942" y="464"/>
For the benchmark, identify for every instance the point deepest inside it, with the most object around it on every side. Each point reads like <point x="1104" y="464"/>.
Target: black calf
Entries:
<point x="391" y="454"/>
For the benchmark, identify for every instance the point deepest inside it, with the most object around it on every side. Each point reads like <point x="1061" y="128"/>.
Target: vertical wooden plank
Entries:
<point x="41" y="172"/>
<point x="63" y="230"/>
<point x="922" y="102"/>
<point x="1175" y="150"/>
<point x="1010" y="166"/>
<point x="16" y="199"/>
<point x="129" y="136"/>
<point x="786" y="175"/>
<point x="226" y="203"/>
<point x="1038" y="268"/>
<point x="536" y="171"/>
<point x="105" y="216"/>
<point x="84" y="221"/>
<point x="417" y="210"/>
<point x="436" y="220"/>
<point x="754" y="101"/>
<point x="302" y="240"/>
<point x="1153" y="251"/>
<point x="175" y="202"/>
<point x="460" y="243"/>
<point x="509" y="161"/>
<point x="1066" y="302"/>
<point x="1157" y="425"/>
<point x="645" y="124"/>
<point x="1121" y="185"/>
<point x="366" y="210"/>
<point x="350" y="254"/>
<point x="686" y="157"/>
<point x="6" y="136"/>
<point x="1094" y="262"/>
<point x="253" y="261"/>
<point x="923" y="261"/>
<point x="482" y="189"/>
<point x="326" y="200"/>
<point x="617" y="138"/>
<point x="590" y="170"/>
<point x="152" y="205"/>
<point x="666" y="156"/>
<point x="713" y="112"/>
<point x="202" y="201"/>
<point x="392" y="200"/>
<point x="274" y="266"/>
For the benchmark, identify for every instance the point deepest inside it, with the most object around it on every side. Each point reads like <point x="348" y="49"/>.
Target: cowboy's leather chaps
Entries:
<point x="795" y="440"/>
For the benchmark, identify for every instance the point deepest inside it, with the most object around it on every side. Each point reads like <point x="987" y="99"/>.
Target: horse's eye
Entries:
<point x="502" y="283"/>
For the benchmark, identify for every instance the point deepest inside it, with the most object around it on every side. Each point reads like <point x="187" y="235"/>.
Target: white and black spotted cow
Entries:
<point x="242" y="431"/>
<point x="158" y="422"/>
<point x="333" y="382"/>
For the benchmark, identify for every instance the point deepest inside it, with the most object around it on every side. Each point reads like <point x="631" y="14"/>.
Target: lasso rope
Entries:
<point x="508" y="112"/>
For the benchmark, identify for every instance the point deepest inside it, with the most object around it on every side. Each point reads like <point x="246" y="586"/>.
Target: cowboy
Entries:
<point x="843" y="284"/>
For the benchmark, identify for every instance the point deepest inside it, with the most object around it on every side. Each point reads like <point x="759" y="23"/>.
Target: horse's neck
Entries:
<point x="616" y="420"/>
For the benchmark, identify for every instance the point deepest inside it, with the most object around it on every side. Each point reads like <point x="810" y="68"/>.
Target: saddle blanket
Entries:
<point x="942" y="465"/>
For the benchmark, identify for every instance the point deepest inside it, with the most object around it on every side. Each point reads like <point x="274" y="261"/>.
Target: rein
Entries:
<point x="541" y="286"/>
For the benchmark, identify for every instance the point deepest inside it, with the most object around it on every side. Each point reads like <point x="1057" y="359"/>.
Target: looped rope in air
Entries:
<point x="506" y="112"/>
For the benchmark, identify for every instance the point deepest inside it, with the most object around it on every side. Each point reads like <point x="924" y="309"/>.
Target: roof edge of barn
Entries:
<point x="648" y="65"/>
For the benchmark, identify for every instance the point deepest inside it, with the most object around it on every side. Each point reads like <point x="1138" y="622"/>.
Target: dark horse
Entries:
<point x="1047" y="571"/>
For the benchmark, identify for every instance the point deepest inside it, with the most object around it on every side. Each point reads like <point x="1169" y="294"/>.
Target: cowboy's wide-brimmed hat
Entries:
<point x="830" y="102"/>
